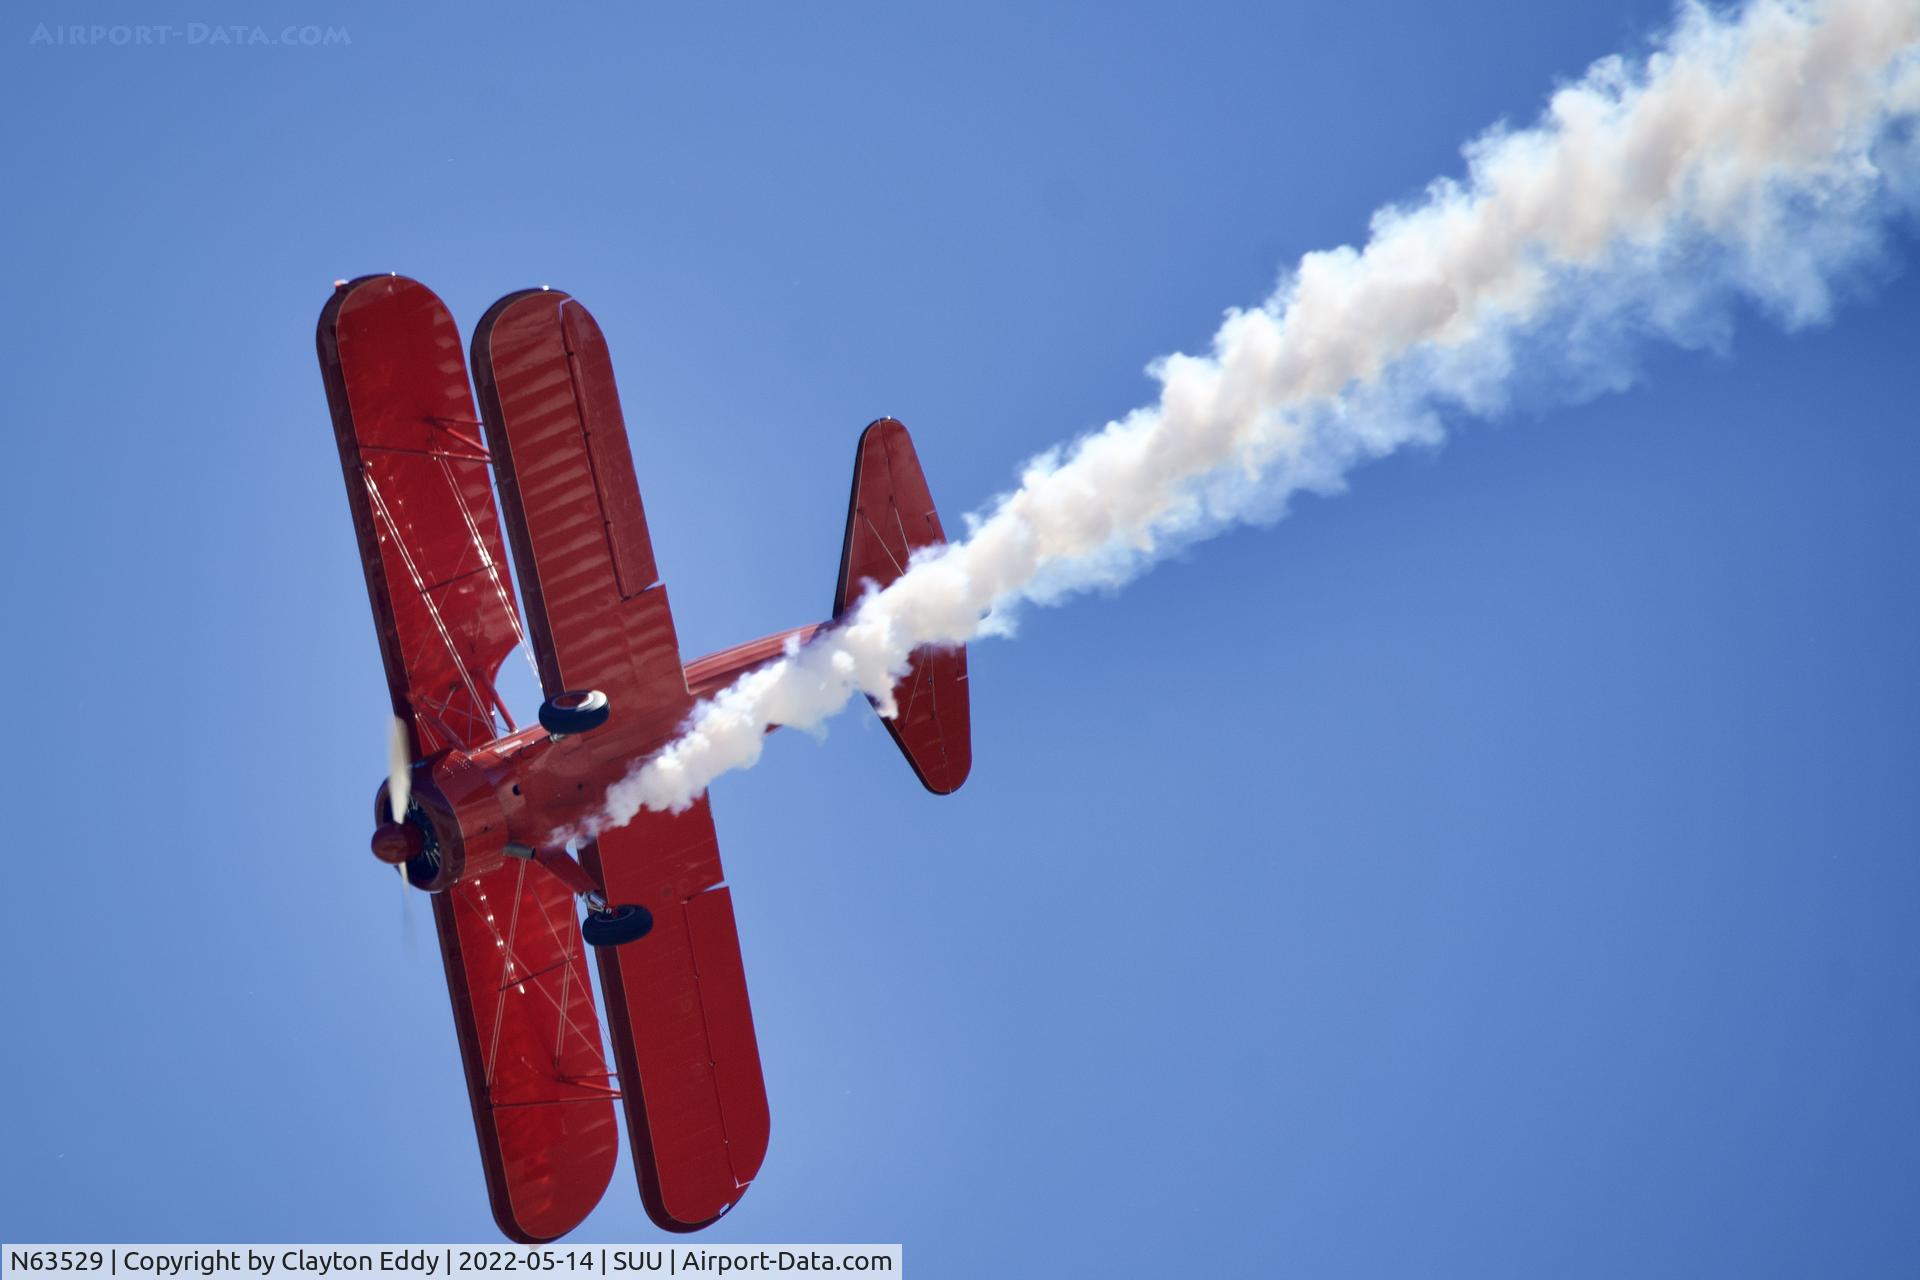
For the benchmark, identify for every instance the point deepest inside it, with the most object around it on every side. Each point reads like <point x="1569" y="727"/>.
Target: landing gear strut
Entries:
<point x="605" y="925"/>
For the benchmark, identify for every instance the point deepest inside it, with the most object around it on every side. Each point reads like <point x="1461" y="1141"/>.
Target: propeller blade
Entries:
<point x="399" y="771"/>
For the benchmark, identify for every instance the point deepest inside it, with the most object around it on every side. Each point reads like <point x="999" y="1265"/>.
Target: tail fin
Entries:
<point x="889" y="517"/>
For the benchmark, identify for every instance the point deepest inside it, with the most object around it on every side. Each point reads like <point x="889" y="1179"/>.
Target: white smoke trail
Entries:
<point x="1759" y="154"/>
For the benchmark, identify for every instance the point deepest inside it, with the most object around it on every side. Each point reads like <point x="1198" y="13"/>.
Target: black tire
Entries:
<point x="575" y="711"/>
<point x="617" y="927"/>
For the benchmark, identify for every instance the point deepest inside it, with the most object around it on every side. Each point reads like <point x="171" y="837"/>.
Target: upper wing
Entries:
<point x="422" y="505"/>
<point x="530" y="1043"/>
<point x="676" y="1000"/>
<point x="430" y="542"/>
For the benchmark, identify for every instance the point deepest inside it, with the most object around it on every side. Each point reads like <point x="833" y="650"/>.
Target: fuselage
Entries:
<point x="518" y="795"/>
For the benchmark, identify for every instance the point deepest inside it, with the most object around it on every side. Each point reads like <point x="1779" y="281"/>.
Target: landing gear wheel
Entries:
<point x="575" y="711"/>
<point x="617" y="927"/>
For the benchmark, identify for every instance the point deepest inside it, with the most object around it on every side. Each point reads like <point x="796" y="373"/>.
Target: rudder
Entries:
<point x="890" y="516"/>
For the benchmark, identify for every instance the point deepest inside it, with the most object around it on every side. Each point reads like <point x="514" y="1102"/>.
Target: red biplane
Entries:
<point x="470" y="810"/>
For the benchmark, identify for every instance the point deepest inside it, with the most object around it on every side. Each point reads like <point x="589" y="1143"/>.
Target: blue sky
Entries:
<point x="1505" y="868"/>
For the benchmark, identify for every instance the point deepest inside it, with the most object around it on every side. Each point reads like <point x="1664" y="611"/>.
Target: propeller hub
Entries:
<point x="398" y="842"/>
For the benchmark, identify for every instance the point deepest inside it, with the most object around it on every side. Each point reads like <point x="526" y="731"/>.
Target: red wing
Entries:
<point x="530" y="1043"/>
<point x="676" y="999"/>
<point x="422" y="505"/>
<point x="430" y="543"/>
<point x="596" y="612"/>
<point x="682" y="1027"/>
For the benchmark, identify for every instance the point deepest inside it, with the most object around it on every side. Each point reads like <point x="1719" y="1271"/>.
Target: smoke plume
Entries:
<point x="1760" y="155"/>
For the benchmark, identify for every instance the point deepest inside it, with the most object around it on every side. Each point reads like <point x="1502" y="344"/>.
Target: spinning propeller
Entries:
<point x="399" y="770"/>
<point x="398" y="840"/>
